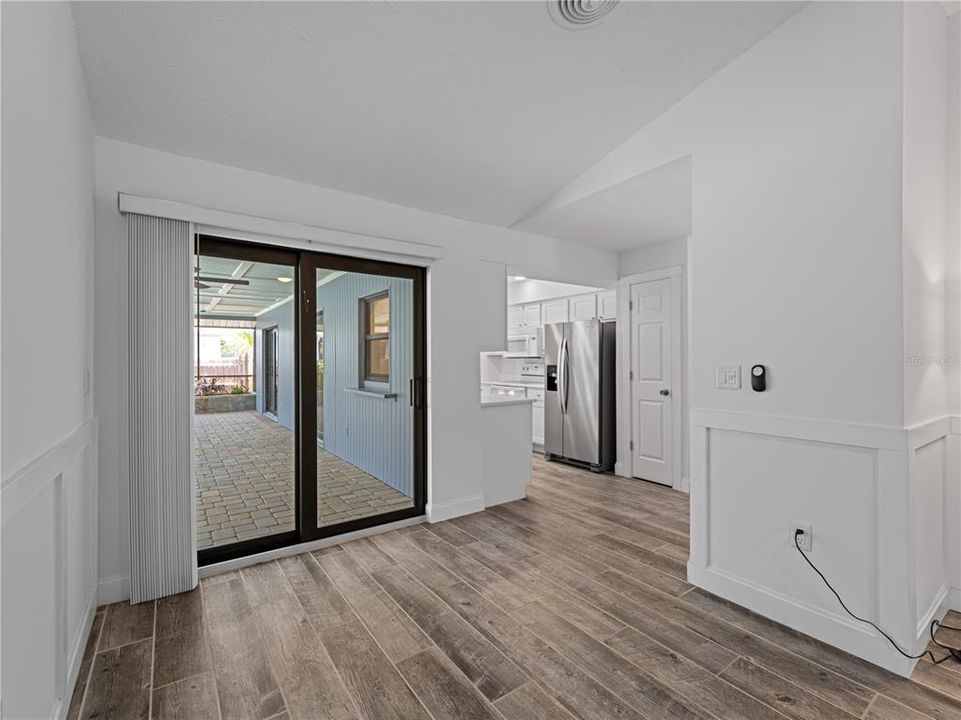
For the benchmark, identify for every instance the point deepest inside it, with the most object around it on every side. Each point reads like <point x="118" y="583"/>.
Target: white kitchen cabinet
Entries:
<point x="532" y="315"/>
<point x="607" y="305"/>
<point x="555" y="311"/>
<point x="537" y="424"/>
<point x="583" y="307"/>
<point x="515" y="317"/>
<point x="537" y="417"/>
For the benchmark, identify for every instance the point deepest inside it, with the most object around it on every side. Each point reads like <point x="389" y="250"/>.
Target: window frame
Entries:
<point x="366" y="303"/>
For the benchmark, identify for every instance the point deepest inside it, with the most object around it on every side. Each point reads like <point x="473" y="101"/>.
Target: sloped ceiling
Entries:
<point x="477" y="110"/>
<point x="646" y="209"/>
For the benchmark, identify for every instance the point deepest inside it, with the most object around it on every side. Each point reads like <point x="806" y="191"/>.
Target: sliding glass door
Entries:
<point x="368" y="389"/>
<point x="245" y="451"/>
<point x="310" y="412"/>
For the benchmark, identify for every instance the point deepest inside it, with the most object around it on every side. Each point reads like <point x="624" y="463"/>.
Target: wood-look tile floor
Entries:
<point x="570" y="604"/>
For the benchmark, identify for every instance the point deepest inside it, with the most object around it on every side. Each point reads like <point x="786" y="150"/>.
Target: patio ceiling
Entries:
<point x="260" y="287"/>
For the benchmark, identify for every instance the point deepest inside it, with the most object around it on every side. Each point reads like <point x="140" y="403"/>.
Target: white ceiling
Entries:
<point x="642" y="210"/>
<point x="478" y="110"/>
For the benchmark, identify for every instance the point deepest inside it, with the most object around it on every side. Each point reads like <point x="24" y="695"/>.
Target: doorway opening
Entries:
<point x="332" y="436"/>
<point x="271" y="379"/>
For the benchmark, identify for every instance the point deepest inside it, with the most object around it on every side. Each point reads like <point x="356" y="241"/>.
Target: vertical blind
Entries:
<point x="160" y="416"/>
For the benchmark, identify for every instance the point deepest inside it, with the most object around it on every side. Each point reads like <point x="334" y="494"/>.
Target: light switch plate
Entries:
<point x="727" y="377"/>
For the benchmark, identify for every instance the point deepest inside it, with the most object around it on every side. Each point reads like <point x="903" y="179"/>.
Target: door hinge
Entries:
<point x="630" y="304"/>
<point x="631" y="374"/>
<point x="632" y="445"/>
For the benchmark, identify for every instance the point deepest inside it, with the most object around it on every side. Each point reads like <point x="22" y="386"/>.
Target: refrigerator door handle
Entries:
<point x="562" y="376"/>
<point x="567" y="374"/>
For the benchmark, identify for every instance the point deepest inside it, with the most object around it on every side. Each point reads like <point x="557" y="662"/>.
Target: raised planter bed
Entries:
<point x="224" y="403"/>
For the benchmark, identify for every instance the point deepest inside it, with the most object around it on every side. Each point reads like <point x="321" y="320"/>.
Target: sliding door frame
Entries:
<point x="305" y="264"/>
<point x="310" y="263"/>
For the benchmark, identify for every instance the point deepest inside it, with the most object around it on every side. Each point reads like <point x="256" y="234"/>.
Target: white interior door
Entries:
<point x="652" y="396"/>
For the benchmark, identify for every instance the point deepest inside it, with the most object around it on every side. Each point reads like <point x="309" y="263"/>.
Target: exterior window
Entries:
<point x="375" y="350"/>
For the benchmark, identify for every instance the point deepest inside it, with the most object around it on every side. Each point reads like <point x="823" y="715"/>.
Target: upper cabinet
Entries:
<point x="583" y="307"/>
<point x="607" y="305"/>
<point x="521" y="317"/>
<point x="600" y="306"/>
<point x="532" y="315"/>
<point x="554" y="311"/>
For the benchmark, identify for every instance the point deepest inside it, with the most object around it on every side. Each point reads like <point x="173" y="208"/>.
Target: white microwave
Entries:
<point x="526" y="343"/>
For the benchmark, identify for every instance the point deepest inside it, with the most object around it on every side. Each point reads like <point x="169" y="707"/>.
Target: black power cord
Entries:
<point x="952" y="652"/>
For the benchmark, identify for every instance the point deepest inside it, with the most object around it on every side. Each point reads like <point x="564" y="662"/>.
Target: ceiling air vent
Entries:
<point x="579" y="14"/>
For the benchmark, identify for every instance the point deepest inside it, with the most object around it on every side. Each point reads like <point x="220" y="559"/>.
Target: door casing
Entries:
<point x="625" y="412"/>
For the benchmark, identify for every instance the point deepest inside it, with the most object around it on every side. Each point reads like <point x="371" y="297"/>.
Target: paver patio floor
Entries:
<point x="245" y="470"/>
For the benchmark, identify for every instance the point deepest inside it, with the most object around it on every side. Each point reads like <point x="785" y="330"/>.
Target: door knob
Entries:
<point x="665" y="392"/>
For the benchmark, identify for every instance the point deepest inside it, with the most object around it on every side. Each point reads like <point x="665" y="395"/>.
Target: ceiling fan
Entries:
<point x="200" y="280"/>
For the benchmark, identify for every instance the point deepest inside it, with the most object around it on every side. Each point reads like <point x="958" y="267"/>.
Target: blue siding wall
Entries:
<point x="283" y="318"/>
<point x="375" y="434"/>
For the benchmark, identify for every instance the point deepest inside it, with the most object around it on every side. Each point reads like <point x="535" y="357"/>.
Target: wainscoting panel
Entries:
<point x="790" y="478"/>
<point x="928" y="475"/>
<point x="49" y="575"/>
<point x="755" y="475"/>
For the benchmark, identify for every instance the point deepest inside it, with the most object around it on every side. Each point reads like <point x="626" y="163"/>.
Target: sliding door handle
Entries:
<point x="417" y="399"/>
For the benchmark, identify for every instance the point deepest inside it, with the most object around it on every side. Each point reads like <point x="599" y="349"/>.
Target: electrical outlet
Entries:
<point x="806" y="539"/>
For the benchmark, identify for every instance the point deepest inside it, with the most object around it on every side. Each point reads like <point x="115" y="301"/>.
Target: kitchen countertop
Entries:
<point x="516" y="383"/>
<point x="507" y="401"/>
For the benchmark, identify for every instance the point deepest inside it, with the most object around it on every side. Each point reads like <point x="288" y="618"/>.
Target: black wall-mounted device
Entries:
<point x="759" y="378"/>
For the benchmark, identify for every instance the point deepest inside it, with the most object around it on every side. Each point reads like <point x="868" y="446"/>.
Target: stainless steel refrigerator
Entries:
<point x="579" y="413"/>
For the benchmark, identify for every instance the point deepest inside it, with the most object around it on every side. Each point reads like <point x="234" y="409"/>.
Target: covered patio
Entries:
<point x="245" y="471"/>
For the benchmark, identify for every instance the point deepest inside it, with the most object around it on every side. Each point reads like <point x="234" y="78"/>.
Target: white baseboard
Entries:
<point x="685" y="485"/>
<point x="954" y="599"/>
<point x="75" y="658"/>
<point x="113" y="589"/>
<point x="937" y="611"/>
<point x="850" y="636"/>
<point x="438" y="512"/>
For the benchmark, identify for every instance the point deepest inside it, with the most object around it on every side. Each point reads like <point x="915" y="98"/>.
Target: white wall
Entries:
<point x="925" y="255"/>
<point x="48" y="434"/>
<point x="953" y="300"/>
<point x="466" y="305"/>
<point x="658" y="256"/>
<point x="665" y="254"/>
<point x="924" y="211"/>
<point x="797" y="182"/>
<point x="795" y="261"/>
